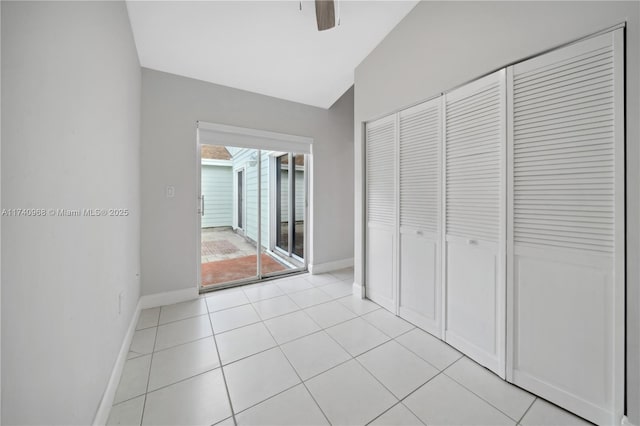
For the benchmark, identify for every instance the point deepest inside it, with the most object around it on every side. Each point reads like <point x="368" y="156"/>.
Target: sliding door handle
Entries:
<point x="202" y="205"/>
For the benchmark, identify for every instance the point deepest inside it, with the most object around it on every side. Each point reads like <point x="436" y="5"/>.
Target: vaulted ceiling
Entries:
<point x="267" y="47"/>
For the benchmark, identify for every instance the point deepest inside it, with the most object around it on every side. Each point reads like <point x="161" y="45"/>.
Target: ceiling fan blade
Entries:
<point x="325" y="14"/>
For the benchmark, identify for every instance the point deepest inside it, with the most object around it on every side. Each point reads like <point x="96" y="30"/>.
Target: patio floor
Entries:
<point x="222" y="244"/>
<point x="227" y="256"/>
<point x="224" y="271"/>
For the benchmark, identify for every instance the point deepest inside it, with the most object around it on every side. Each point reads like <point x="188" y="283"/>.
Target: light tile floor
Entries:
<point x="302" y="351"/>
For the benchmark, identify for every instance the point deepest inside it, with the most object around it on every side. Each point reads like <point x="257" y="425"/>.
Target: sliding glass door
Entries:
<point x="290" y="205"/>
<point x="252" y="214"/>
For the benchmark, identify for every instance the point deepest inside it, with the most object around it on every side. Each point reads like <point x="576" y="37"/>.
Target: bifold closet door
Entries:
<point x="474" y="220"/>
<point x="420" y="136"/>
<point x="381" y="184"/>
<point x="566" y="245"/>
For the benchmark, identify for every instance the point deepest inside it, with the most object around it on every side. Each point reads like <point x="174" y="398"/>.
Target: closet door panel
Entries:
<point x="381" y="193"/>
<point x="472" y="308"/>
<point x="419" y="290"/>
<point x="381" y="250"/>
<point x="566" y="247"/>
<point x="420" y="141"/>
<point x="559" y="334"/>
<point x="475" y="220"/>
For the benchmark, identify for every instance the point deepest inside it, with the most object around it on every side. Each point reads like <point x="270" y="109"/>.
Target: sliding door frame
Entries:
<point x="259" y="140"/>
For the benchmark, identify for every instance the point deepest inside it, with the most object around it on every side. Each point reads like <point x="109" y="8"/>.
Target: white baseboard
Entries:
<point x="321" y="268"/>
<point x="625" y="421"/>
<point x="358" y="290"/>
<point x="168" y="298"/>
<point x="110" y="392"/>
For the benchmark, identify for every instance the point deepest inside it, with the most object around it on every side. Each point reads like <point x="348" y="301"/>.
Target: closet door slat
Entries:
<point x="381" y="172"/>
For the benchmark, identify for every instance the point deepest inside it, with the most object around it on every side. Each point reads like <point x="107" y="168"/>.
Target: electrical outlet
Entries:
<point x="170" y="191"/>
<point x="120" y="300"/>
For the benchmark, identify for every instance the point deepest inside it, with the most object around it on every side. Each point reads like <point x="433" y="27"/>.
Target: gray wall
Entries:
<point x="171" y="106"/>
<point x="70" y="139"/>
<point x="440" y="45"/>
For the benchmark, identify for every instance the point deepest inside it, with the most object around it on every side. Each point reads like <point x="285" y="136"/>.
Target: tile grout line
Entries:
<point x="277" y="343"/>
<point x="287" y="293"/>
<point x="391" y="408"/>
<point x="158" y="325"/>
<point x="383" y="385"/>
<point x="423" y="385"/>
<point x="279" y="346"/>
<point x="303" y="382"/>
<point x="224" y="377"/>
<point x="244" y="410"/>
<point x="178" y="345"/>
<point x="416" y="390"/>
<point x="189" y="316"/>
<point x="461" y="384"/>
<point x="351" y="357"/>
<point x="306" y="335"/>
<point x="213" y="335"/>
<point x="236" y="327"/>
<point x="413" y="327"/>
<point x="354" y="358"/>
<point x="419" y="356"/>
<point x="321" y="329"/>
<point x="330" y="368"/>
<point x="535" y="398"/>
<point x="297" y="374"/>
<point x="287" y="342"/>
<point x="176" y="382"/>
<point x="144" y="405"/>
<point x="299" y="308"/>
<point x="479" y="396"/>
<point x="375" y="377"/>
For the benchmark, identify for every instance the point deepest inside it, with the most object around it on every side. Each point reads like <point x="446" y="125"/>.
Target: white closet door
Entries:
<point x="381" y="211"/>
<point x="566" y="246"/>
<point x="420" y="136"/>
<point x="474" y="220"/>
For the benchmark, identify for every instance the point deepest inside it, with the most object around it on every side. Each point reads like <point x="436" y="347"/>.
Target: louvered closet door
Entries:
<point x="475" y="220"/>
<point x="566" y="250"/>
<point x="420" y="136"/>
<point x="381" y="211"/>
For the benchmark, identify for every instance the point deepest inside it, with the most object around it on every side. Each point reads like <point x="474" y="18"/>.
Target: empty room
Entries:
<point x="320" y="212"/>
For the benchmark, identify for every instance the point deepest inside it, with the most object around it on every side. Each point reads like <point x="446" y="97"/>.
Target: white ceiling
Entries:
<point x="267" y="47"/>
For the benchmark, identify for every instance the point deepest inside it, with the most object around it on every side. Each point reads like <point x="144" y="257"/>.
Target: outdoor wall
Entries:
<point x="217" y="188"/>
<point x="171" y="106"/>
<point x="440" y="45"/>
<point x="241" y="159"/>
<point x="70" y="140"/>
